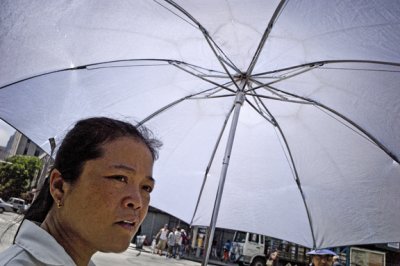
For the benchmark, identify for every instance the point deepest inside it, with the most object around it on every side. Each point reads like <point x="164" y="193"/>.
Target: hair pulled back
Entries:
<point x="83" y="143"/>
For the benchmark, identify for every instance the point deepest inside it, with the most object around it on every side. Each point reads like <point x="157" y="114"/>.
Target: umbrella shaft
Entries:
<point x="238" y="104"/>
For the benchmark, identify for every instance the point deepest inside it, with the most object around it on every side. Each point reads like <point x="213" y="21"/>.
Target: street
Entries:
<point x="130" y="257"/>
<point x="9" y="223"/>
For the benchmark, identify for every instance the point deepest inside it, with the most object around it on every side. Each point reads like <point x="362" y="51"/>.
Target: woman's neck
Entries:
<point x="72" y="244"/>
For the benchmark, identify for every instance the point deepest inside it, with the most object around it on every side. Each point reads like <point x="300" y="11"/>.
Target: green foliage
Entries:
<point x="16" y="176"/>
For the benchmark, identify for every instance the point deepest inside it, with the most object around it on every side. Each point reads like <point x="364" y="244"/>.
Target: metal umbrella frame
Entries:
<point x="287" y="80"/>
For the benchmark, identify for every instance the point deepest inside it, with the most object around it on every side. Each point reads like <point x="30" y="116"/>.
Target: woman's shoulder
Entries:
<point x="34" y="246"/>
<point x="16" y="255"/>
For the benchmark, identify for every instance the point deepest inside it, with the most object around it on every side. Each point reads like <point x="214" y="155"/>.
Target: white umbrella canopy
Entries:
<point x="315" y="159"/>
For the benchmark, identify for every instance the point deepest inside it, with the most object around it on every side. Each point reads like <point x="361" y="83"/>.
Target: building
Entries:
<point x="19" y="144"/>
<point x="2" y="153"/>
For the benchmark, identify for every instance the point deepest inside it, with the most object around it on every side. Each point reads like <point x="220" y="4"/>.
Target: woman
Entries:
<point x="273" y="258"/>
<point x="95" y="198"/>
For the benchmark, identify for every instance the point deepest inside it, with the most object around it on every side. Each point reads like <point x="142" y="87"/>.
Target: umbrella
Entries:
<point x="277" y="117"/>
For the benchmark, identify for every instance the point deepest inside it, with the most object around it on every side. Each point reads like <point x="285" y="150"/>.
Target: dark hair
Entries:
<point x="275" y="261"/>
<point x="83" y="143"/>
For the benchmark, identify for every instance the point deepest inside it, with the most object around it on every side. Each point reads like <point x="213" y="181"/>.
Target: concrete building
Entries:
<point x="2" y="153"/>
<point x="19" y="144"/>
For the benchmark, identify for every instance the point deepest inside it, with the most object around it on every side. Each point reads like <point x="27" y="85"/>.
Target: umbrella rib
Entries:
<point x="260" y="112"/>
<point x="274" y="90"/>
<point x="195" y="67"/>
<point x="39" y="75"/>
<point x="215" y="97"/>
<point x="93" y="66"/>
<point x="203" y="78"/>
<point x="202" y="74"/>
<point x="267" y="31"/>
<point x="219" y="89"/>
<point x="370" y="138"/>
<point x="211" y="43"/>
<point x="325" y="62"/>
<point x="319" y="64"/>
<point x="298" y="182"/>
<point x="219" y="59"/>
<point x="297" y="179"/>
<point x="168" y="61"/>
<point x="362" y="69"/>
<point x="199" y="26"/>
<point x="266" y="87"/>
<point x="176" y="14"/>
<point x="206" y="35"/>
<point x="366" y="135"/>
<point x="279" y="99"/>
<point x="211" y="160"/>
<point x="288" y="76"/>
<point x="166" y="107"/>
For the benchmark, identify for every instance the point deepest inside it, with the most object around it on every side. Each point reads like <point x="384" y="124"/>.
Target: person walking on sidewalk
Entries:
<point x="171" y="243"/>
<point x="178" y="243"/>
<point x="162" y="239"/>
<point x="185" y="242"/>
<point x="227" y="248"/>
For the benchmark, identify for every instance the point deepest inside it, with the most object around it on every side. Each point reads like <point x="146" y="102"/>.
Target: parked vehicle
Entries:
<point x="18" y="204"/>
<point x="5" y="207"/>
<point x="251" y="249"/>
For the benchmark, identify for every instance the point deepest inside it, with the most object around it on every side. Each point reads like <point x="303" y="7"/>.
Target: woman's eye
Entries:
<point x="120" y="178"/>
<point x="148" y="189"/>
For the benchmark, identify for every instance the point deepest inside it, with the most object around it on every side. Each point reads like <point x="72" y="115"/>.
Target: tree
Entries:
<point x="17" y="174"/>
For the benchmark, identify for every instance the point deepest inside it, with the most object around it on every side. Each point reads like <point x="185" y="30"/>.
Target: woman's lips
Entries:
<point x="128" y="225"/>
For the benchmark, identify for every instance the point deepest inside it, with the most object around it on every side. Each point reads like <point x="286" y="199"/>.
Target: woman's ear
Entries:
<point x="56" y="186"/>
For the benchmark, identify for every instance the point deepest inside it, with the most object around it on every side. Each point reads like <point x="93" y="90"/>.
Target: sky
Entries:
<point x="6" y="132"/>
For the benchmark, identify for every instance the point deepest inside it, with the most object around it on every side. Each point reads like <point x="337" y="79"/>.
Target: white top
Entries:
<point x="163" y="234"/>
<point x="34" y="246"/>
<point x="178" y="237"/>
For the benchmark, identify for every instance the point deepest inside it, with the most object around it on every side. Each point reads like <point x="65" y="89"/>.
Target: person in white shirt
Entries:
<point x="171" y="243"/>
<point x="94" y="199"/>
<point x="162" y="239"/>
<point x="178" y="243"/>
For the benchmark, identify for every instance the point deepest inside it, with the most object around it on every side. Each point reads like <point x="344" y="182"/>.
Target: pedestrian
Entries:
<point x="171" y="243"/>
<point x="95" y="198"/>
<point x="322" y="257"/>
<point x="162" y="239"/>
<point x="153" y="245"/>
<point x="227" y="248"/>
<point x="273" y="258"/>
<point x="336" y="261"/>
<point x="214" y="249"/>
<point x="185" y="242"/>
<point x="178" y="243"/>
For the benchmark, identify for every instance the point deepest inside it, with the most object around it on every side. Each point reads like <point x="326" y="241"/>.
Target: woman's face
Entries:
<point x="274" y="255"/>
<point x="104" y="208"/>
<point x="322" y="260"/>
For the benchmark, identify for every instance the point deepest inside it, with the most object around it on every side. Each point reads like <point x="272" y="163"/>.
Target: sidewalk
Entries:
<point x="189" y="257"/>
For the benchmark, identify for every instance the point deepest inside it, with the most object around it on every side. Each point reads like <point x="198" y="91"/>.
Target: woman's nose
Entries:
<point x="133" y="200"/>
